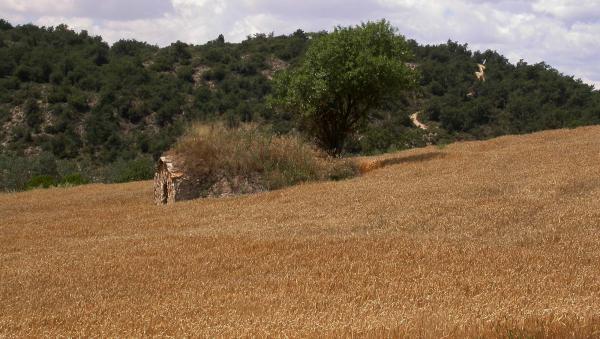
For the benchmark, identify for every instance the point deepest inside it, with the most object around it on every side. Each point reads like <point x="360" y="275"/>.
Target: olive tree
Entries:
<point x="344" y="76"/>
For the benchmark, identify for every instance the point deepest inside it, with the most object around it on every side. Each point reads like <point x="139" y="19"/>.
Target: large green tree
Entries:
<point x="343" y="77"/>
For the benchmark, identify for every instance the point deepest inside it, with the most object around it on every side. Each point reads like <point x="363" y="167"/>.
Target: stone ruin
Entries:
<point x="172" y="183"/>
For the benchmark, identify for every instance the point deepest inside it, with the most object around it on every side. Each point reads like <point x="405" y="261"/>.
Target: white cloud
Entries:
<point x="580" y="10"/>
<point x="64" y="7"/>
<point x="105" y="9"/>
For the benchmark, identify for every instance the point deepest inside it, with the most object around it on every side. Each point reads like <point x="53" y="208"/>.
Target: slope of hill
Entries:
<point x="487" y="238"/>
<point x="72" y="104"/>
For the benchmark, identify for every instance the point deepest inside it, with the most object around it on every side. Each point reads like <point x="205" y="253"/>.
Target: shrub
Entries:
<point x="56" y="77"/>
<point x="376" y="139"/>
<point x="79" y="102"/>
<point x="13" y="171"/>
<point x="58" y="94"/>
<point x="5" y="115"/>
<point x="40" y="181"/>
<point x="5" y="25"/>
<point x="218" y="73"/>
<point x="33" y="115"/>
<point x="44" y="164"/>
<point x="211" y="153"/>
<point x="23" y="72"/>
<point x="74" y="179"/>
<point x="7" y="66"/>
<point x="132" y="170"/>
<point x="186" y="73"/>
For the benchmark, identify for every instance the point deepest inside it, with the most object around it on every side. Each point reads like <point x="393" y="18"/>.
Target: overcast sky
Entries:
<point x="564" y="33"/>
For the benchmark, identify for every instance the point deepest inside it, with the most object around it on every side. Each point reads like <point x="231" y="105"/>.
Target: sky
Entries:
<point x="563" y="33"/>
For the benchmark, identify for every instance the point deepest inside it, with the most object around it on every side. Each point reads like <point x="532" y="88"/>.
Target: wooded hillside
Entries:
<point x="71" y="106"/>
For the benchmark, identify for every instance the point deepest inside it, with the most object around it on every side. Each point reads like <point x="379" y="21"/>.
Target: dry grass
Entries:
<point x="494" y="238"/>
<point x="212" y="152"/>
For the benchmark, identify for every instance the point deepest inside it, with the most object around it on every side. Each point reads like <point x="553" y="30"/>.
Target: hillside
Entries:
<point x="70" y="104"/>
<point x="488" y="238"/>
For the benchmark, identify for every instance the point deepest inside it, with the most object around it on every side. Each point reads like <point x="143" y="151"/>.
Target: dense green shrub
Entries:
<point x="5" y="115"/>
<point x="7" y="67"/>
<point x="33" y="114"/>
<point x="13" y="172"/>
<point x="20" y="173"/>
<point x="58" y="94"/>
<point x="131" y="48"/>
<point x="5" y="25"/>
<point x="74" y="179"/>
<point x="132" y="170"/>
<point x="24" y="73"/>
<point x="79" y="102"/>
<point x="186" y="73"/>
<point x="40" y="181"/>
<point x="44" y="164"/>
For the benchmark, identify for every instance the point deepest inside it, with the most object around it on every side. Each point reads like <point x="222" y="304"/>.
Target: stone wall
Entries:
<point x="164" y="188"/>
<point x="172" y="185"/>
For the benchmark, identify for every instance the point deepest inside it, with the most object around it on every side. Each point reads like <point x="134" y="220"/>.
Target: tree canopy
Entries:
<point x="343" y="76"/>
<point x="92" y="107"/>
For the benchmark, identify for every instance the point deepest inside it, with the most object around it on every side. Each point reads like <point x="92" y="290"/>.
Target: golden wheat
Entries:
<point x="493" y="238"/>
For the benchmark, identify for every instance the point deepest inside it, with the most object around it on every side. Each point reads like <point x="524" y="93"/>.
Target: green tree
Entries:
<point x="343" y="77"/>
<point x="5" y="25"/>
<point x="33" y="115"/>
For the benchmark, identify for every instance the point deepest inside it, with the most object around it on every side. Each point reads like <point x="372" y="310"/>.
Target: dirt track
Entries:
<point x="415" y="120"/>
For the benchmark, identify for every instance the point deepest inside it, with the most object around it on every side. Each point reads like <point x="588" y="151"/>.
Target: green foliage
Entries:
<point x="5" y="25"/>
<point x="45" y="164"/>
<point x="58" y="94"/>
<point x="131" y="48"/>
<point x="186" y="73"/>
<point x="344" y="76"/>
<point x="89" y="105"/>
<point x="65" y="145"/>
<point x="40" y="181"/>
<point x="33" y="115"/>
<point x="7" y="67"/>
<point x="24" y="73"/>
<point x="74" y="179"/>
<point x="95" y="95"/>
<point x="518" y="98"/>
<point x="79" y="102"/>
<point x="132" y="170"/>
<point x="4" y="115"/>
<point x="12" y="170"/>
<point x="19" y="173"/>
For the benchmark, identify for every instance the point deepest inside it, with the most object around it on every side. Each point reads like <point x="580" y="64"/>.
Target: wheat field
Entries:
<point x="498" y="238"/>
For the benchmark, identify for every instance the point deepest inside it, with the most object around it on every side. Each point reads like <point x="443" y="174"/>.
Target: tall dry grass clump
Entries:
<point x="249" y="153"/>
